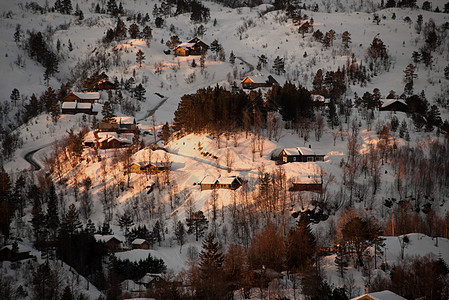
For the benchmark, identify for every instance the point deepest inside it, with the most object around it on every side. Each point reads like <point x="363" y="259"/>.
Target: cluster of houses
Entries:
<point x="116" y="244"/>
<point x="80" y="103"/>
<point x="118" y="132"/>
<point x="193" y="47"/>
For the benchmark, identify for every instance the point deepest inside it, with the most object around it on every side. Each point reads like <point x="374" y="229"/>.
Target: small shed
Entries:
<point x="113" y="243"/>
<point x="140" y="244"/>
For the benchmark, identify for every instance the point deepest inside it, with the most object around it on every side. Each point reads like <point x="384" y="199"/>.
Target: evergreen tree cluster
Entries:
<point x="125" y="269"/>
<point x="294" y="102"/>
<point x="63" y="6"/>
<point x="39" y="50"/>
<point x="210" y="110"/>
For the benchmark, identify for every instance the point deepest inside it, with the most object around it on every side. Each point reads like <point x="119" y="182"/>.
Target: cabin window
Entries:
<point x="285" y="158"/>
<point x="310" y="158"/>
<point x="294" y="158"/>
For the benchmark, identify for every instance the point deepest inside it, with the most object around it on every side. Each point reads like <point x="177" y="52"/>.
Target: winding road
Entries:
<point x="30" y="159"/>
<point x="250" y="66"/>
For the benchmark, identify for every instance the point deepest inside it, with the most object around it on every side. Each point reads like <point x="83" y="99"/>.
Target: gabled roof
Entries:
<point x="391" y="101"/>
<point x="291" y="151"/>
<point x="228" y="180"/>
<point x="124" y="120"/>
<point x="305" y="151"/>
<point x="106" y="238"/>
<point x="149" y="277"/>
<point x="185" y="46"/>
<point x="382" y="295"/>
<point x="258" y="78"/>
<point x="138" y="242"/>
<point x="208" y="179"/>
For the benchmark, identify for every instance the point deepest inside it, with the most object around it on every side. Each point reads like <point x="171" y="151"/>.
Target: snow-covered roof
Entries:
<point x="148" y="277"/>
<point x="226" y="180"/>
<point x="84" y="105"/>
<point x="68" y="105"/>
<point x="209" y="180"/>
<point x="186" y="45"/>
<point x="391" y="101"/>
<point x="124" y="120"/>
<point x="291" y="151"/>
<point x="258" y="78"/>
<point x="122" y="137"/>
<point x="305" y="151"/>
<point x="89" y="137"/>
<point x="382" y="295"/>
<point x="131" y="286"/>
<point x="138" y="242"/>
<point x="87" y="95"/>
<point x="106" y="238"/>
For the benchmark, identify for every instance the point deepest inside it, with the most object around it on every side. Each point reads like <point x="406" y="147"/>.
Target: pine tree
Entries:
<point x="107" y="112"/>
<point x="197" y="224"/>
<point x="211" y="270"/>
<point x="301" y="247"/>
<point x="38" y="221"/>
<point x="157" y="232"/>
<point x="125" y="222"/>
<point x="139" y="92"/>
<point x="232" y="57"/>
<point x="71" y="223"/>
<point x="67" y="7"/>
<point x="52" y="216"/>
<point x="140" y="57"/>
<point x="18" y="33"/>
<point x="278" y="65"/>
<point x="180" y="234"/>
<point x="6" y="209"/>
<point x="15" y="96"/>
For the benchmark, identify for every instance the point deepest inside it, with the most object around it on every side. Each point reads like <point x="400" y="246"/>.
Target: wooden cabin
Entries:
<point x="119" y="125"/>
<point x="257" y="81"/>
<point x="140" y="244"/>
<point x="306" y="187"/>
<point x="394" y="105"/>
<point x="73" y="108"/>
<point x="82" y="97"/>
<point x="112" y="140"/>
<point x="147" y="168"/>
<point x="104" y="84"/>
<point x="194" y="47"/>
<point x="112" y="242"/>
<point x="300" y="154"/>
<point x="8" y="254"/>
<point x="230" y="183"/>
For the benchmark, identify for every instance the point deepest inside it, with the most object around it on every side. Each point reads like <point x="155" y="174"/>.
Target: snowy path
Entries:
<point x="250" y="66"/>
<point x="30" y="159"/>
<point x="153" y="110"/>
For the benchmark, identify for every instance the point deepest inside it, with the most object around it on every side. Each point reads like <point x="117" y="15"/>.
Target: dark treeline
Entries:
<point x="211" y="109"/>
